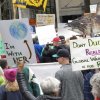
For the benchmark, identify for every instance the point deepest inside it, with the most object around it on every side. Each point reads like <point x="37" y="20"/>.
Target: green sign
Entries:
<point x="2" y="49"/>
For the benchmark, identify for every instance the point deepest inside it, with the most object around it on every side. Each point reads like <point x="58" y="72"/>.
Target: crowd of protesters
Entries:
<point x="21" y="83"/>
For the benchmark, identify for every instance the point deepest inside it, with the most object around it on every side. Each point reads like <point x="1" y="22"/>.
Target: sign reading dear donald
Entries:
<point x="85" y="53"/>
<point x="17" y="41"/>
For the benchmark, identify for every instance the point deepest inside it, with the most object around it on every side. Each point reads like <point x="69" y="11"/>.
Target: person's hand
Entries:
<point x="20" y="65"/>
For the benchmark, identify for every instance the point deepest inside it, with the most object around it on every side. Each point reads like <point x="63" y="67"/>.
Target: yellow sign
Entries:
<point x="30" y="3"/>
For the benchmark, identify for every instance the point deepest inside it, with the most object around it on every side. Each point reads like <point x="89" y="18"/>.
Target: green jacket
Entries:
<point x="32" y="82"/>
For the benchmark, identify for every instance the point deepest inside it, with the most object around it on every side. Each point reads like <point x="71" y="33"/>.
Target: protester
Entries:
<point x="3" y="64"/>
<point x="49" y="50"/>
<point x="50" y="86"/>
<point x="62" y="38"/>
<point x="32" y="83"/>
<point x="87" y="87"/>
<point x="95" y="82"/>
<point x="38" y="49"/>
<point x="46" y="89"/>
<point x="10" y="91"/>
<point x="71" y="81"/>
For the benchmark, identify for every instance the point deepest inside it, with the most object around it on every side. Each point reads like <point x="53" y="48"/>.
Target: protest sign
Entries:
<point x="17" y="41"/>
<point x="45" y="19"/>
<point x="45" y="34"/>
<point x="85" y="53"/>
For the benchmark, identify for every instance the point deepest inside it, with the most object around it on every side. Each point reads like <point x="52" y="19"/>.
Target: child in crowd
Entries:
<point x="10" y="91"/>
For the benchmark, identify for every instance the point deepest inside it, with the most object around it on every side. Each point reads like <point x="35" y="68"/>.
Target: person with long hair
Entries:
<point x="10" y="91"/>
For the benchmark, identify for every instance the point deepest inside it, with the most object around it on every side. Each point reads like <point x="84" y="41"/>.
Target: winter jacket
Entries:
<point x="47" y="54"/>
<point x="28" y="95"/>
<point x="32" y="82"/>
<point x="4" y="95"/>
<point x="71" y="83"/>
<point x="87" y="87"/>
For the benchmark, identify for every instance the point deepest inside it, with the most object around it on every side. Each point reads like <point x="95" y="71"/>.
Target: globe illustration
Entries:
<point x="18" y="30"/>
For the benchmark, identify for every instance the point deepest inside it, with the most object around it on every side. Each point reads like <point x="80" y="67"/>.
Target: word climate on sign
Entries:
<point x="85" y="53"/>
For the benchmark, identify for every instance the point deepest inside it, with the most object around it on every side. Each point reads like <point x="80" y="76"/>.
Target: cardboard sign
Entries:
<point x="45" y="19"/>
<point x="85" y="53"/>
<point x="45" y="34"/>
<point x="17" y="41"/>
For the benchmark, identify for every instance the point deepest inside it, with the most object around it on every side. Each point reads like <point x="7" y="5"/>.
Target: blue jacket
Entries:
<point x="4" y="95"/>
<point x="87" y="87"/>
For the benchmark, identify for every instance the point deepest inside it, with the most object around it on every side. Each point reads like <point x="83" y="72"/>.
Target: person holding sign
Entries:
<point x="50" y="87"/>
<point x="71" y="82"/>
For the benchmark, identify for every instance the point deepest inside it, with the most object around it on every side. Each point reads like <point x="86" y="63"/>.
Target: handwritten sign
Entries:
<point x="45" y="19"/>
<point x="17" y="41"/>
<point x="85" y="53"/>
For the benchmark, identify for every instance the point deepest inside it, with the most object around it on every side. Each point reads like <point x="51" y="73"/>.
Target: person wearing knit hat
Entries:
<point x="10" y="91"/>
<point x="10" y="74"/>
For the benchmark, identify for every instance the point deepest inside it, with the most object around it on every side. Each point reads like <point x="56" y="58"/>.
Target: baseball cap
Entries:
<point x="63" y="53"/>
<point x="62" y="38"/>
<point x="56" y="39"/>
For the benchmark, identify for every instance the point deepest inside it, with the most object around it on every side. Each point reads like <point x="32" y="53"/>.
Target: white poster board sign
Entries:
<point x="93" y="8"/>
<point x="85" y="53"/>
<point x="45" y="19"/>
<point x="45" y="34"/>
<point x="17" y="41"/>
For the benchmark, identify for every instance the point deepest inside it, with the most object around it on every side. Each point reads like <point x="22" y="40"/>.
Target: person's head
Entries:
<point x="95" y="83"/>
<point x="56" y="41"/>
<point x="3" y="64"/>
<point x="63" y="56"/>
<point x="50" y="86"/>
<point x="62" y="39"/>
<point x="10" y="76"/>
<point x="73" y="37"/>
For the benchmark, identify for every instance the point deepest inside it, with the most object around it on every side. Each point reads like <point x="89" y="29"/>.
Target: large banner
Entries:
<point x="30" y="3"/>
<point x="85" y="53"/>
<point x="17" y="41"/>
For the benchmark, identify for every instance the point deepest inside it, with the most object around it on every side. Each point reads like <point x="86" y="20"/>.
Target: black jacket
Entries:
<point x="27" y="95"/>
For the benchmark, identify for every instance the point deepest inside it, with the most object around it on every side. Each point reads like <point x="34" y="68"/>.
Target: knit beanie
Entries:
<point x="10" y="74"/>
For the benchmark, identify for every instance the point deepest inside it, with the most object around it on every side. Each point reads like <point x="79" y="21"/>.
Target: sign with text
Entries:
<point x="17" y="41"/>
<point x="85" y="53"/>
<point x="45" y="19"/>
